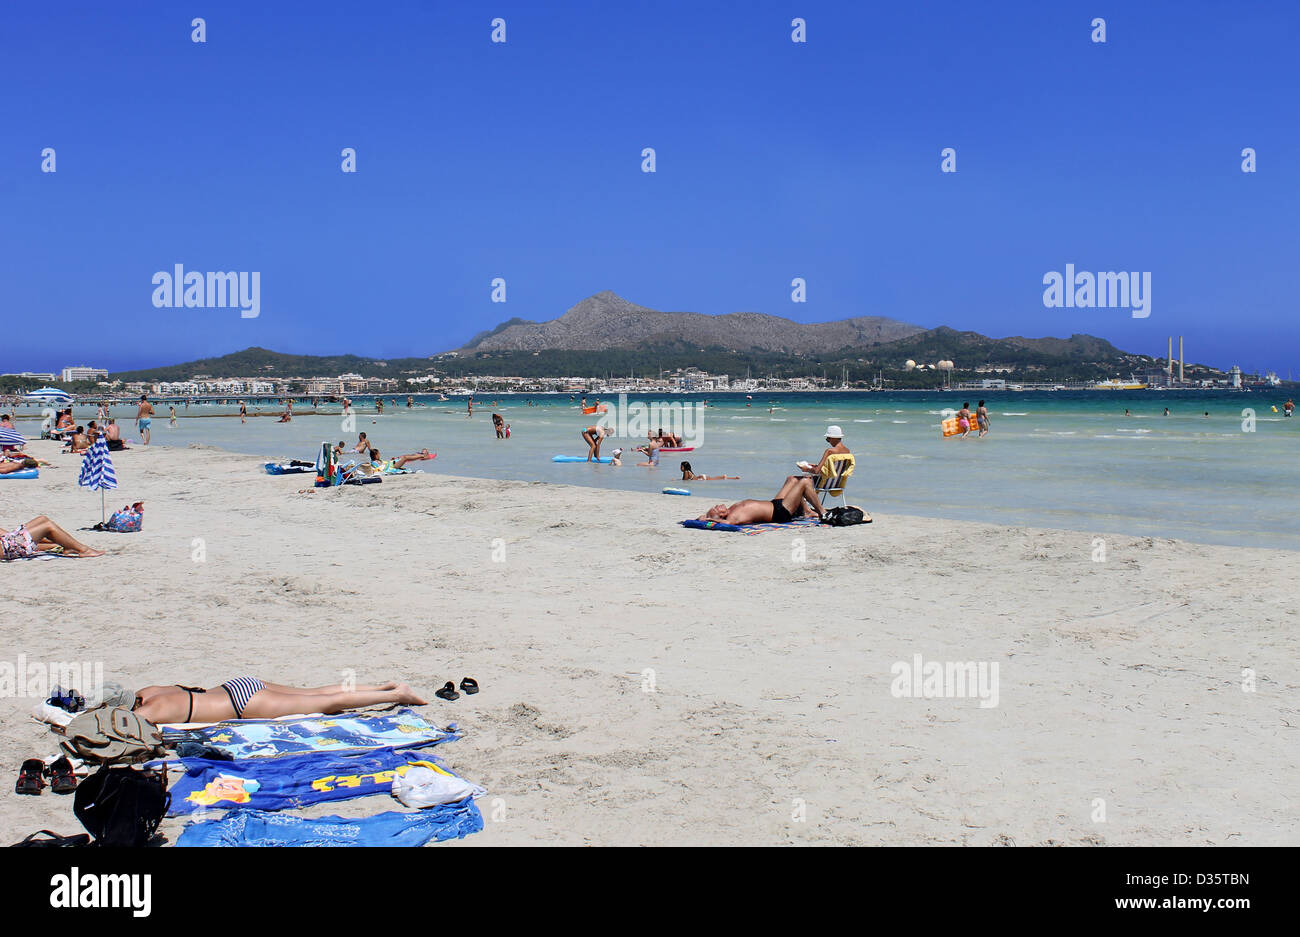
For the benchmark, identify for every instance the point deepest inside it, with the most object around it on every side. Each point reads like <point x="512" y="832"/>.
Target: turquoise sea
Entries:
<point x="1053" y="459"/>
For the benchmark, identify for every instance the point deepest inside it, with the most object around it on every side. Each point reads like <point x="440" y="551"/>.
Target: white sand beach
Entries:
<point x="771" y="718"/>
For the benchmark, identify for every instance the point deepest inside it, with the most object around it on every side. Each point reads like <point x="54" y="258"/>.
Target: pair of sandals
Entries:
<point x="32" y="775"/>
<point x="448" y="692"/>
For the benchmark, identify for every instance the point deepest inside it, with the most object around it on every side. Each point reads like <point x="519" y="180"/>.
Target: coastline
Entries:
<point x="1120" y="679"/>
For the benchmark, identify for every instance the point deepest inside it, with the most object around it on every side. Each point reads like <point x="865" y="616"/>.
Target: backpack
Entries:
<point x="112" y="735"/>
<point x="843" y="517"/>
<point x="122" y="806"/>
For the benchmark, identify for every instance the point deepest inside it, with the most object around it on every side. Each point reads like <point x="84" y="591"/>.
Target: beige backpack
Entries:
<point x="112" y="735"/>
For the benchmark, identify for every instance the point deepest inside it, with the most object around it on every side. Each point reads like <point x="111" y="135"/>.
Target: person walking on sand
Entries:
<point x="144" y="419"/>
<point x="982" y="419"/>
<point x="593" y="436"/>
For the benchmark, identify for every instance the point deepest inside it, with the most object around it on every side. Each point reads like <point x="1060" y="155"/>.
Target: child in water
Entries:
<point x="690" y="476"/>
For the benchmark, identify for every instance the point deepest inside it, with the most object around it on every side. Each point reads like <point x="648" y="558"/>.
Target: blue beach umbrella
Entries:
<point x="97" y="471"/>
<point x="11" y="437"/>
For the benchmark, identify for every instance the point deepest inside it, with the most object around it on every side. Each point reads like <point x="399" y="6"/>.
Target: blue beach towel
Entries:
<point x="751" y="530"/>
<point x="269" y="738"/>
<point x="293" y="780"/>
<point x="257" y="828"/>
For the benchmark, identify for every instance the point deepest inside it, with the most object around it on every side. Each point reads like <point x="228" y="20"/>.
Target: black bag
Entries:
<point x="843" y="517"/>
<point x="122" y="806"/>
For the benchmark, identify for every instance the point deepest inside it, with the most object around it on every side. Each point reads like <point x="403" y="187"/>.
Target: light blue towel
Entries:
<point x="259" y="828"/>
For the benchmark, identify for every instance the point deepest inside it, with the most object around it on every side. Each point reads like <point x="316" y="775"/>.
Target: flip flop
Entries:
<point x="30" y="780"/>
<point x="62" y="778"/>
<point x="448" y="692"/>
<point x="469" y="685"/>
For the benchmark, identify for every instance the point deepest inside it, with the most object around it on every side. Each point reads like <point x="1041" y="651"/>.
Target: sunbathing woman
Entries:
<point x="422" y="456"/>
<point x="787" y="505"/>
<point x="250" y="698"/>
<point x="19" y="464"/>
<point x="39" y="535"/>
<point x="690" y="476"/>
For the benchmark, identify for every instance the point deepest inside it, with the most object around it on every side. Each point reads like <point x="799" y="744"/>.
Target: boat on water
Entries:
<point x="1116" y="384"/>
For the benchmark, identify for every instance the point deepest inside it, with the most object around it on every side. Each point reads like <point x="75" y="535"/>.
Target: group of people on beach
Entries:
<point x="796" y="497"/>
<point x="368" y="449"/>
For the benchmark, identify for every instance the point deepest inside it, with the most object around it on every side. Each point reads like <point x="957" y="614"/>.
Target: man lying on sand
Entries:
<point x="250" y="698"/>
<point x="38" y="535"/>
<point x="785" y="507"/>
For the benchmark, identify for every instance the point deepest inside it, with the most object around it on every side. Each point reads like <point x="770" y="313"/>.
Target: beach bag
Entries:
<point x="423" y="787"/>
<point x="843" y="517"/>
<point x="112" y="735"/>
<point x="129" y="520"/>
<point x="122" y="806"/>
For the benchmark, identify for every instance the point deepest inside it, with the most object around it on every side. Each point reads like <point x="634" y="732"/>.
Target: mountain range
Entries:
<point x="607" y="320"/>
<point x="605" y="334"/>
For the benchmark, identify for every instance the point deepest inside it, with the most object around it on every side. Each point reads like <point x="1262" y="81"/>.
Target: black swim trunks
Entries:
<point x="779" y="513"/>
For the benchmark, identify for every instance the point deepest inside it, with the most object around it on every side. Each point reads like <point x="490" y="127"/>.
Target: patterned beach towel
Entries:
<point x="295" y="780"/>
<point x="751" y="530"/>
<point x="269" y="738"/>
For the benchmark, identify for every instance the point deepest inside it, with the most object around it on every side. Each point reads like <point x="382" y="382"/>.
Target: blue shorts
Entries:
<point x="144" y="423"/>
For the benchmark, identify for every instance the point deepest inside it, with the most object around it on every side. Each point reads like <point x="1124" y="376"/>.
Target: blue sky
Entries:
<point x="523" y="160"/>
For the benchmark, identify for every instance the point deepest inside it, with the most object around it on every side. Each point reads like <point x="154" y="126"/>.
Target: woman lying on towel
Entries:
<point x="250" y="698"/>
<point x="19" y="463"/>
<point x="38" y="535"/>
<point x="785" y="507"/>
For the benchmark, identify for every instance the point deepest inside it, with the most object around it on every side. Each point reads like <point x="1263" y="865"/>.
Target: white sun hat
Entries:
<point x="834" y="432"/>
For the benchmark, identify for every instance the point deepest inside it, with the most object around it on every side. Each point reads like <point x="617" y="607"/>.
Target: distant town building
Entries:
<point x="83" y="373"/>
<point x="34" y="376"/>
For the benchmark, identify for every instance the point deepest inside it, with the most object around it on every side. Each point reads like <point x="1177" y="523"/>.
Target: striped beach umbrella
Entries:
<point x="11" y="437"/>
<point x="97" y="471"/>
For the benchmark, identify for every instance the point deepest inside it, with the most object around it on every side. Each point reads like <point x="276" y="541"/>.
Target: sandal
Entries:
<point x="469" y="685"/>
<point x="62" y="778"/>
<point x="30" y="780"/>
<point x="448" y="692"/>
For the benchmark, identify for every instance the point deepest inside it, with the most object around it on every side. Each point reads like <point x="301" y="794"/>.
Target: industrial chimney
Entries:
<point x="1180" y="359"/>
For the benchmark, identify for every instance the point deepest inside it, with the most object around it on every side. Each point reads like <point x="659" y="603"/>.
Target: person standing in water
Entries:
<point x="593" y="436"/>
<point x="982" y="419"/>
<point x="1288" y="408"/>
<point x="243" y="412"/>
<point x="963" y="419"/>
<point x="144" y="419"/>
<point x="172" y="419"/>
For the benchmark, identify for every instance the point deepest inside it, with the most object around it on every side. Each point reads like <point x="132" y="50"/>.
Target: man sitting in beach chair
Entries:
<point x="788" y="504"/>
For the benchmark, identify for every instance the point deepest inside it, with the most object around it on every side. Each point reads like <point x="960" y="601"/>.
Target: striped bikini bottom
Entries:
<point x="241" y="690"/>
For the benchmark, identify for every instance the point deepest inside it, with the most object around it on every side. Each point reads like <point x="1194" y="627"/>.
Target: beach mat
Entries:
<point x="294" y="780"/>
<point x="271" y="738"/>
<point x="751" y="530"/>
<point x="246" y="827"/>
